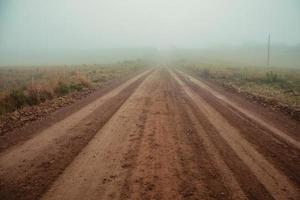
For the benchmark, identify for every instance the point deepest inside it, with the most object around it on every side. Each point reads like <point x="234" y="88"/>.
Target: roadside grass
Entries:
<point x="274" y="84"/>
<point x="27" y="86"/>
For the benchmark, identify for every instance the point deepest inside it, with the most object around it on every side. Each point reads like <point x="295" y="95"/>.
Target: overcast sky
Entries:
<point x="36" y="25"/>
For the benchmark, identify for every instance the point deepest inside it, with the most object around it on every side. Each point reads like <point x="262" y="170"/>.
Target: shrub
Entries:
<point x="62" y="89"/>
<point x="205" y="73"/>
<point x="76" y="86"/>
<point x="52" y="81"/>
<point x="82" y="80"/>
<point x="2" y="103"/>
<point x="39" y="93"/>
<point x="101" y="78"/>
<point x="271" y="77"/>
<point x="17" y="98"/>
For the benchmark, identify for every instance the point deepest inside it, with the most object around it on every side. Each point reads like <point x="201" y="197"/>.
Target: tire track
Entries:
<point x="28" y="178"/>
<point x="153" y="173"/>
<point x="161" y="136"/>
<point x="30" y="130"/>
<point x="99" y="170"/>
<point x="240" y="171"/>
<point x="248" y="114"/>
<point x="274" y="181"/>
<point x="36" y="144"/>
<point x="227" y="175"/>
<point x="167" y="164"/>
<point x="276" y="151"/>
<point x="200" y="179"/>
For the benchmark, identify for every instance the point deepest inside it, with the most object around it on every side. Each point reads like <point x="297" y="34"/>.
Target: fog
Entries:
<point x="35" y="32"/>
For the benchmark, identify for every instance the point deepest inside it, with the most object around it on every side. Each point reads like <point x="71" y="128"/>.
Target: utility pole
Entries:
<point x="269" y="43"/>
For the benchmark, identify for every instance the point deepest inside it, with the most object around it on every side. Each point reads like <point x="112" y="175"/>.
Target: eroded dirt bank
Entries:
<point x="162" y="136"/>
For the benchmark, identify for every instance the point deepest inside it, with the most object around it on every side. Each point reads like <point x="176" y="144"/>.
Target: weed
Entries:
<point x="20" y="86"/>
<point x="82" y="80"/>
<point x="17" y="98"/>
<point x="205" y="73"/>
<point x="271" y="77"/>
<point x="282" y="84"/>
<point x="62" y="89"/>
<point x="39" y="93"/>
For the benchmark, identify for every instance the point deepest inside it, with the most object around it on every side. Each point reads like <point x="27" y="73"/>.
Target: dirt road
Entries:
<point x="160" y="135"/>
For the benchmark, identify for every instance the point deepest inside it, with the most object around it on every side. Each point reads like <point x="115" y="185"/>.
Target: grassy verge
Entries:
<point x="278" y="87"/>
<point x="28" y="86"/>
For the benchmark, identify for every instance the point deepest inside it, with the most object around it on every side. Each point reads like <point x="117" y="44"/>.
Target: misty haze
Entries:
<point x="138" y="99"/>
<point x="76" y="32"/>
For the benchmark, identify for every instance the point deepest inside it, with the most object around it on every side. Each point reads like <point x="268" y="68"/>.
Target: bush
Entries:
<point x="62" y="89"/>
<point x="82" y="80"/>
<point x="76" y="86"/>
<point x="39" y="93"/>
<point x="205" y="73"/>
<point x="17" y="98"/>
<point x="101" y="78"/>
<point x="271" y="77"/>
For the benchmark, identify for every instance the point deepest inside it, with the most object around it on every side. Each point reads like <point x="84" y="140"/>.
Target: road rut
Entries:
<point x="161" y="135"/>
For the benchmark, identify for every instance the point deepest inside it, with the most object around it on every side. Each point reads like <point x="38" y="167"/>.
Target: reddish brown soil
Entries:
<point x="160" y="135"/>
<point x="39" y="117"/>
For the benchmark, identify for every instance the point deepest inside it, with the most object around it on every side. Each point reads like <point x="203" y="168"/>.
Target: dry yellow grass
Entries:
<point x="271" y="83"/>
<point x="20" y="86"/>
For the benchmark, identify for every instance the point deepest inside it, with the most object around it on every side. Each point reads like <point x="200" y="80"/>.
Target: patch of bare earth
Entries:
<point x="162" y="135"/>
<point x="22" y="124"/>
<point x="27" y="169"/>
